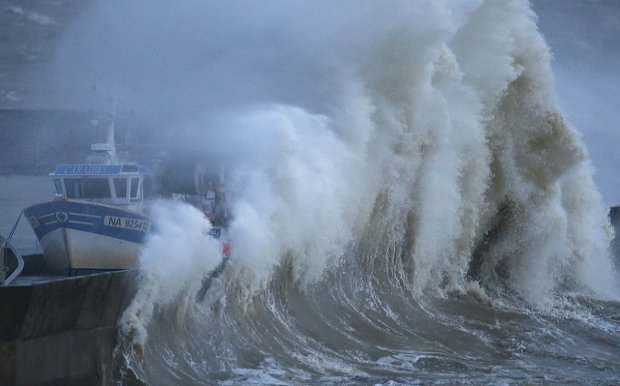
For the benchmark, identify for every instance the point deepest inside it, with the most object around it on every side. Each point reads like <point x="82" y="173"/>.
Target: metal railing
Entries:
<point x="3" y="251"/>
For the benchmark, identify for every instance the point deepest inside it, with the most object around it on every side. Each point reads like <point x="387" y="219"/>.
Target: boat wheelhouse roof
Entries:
<point x="98" y="170"/>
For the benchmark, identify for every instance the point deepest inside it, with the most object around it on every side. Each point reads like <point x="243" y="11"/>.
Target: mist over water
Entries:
<point x="408" y="203"/>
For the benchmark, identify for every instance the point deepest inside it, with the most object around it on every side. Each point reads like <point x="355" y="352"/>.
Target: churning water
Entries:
<point x="411" y="208"/>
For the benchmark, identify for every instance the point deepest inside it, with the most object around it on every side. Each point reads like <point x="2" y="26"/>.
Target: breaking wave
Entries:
<point x="415" y="205"/>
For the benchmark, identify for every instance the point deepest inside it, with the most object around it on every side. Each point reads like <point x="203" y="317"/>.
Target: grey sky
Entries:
<point x="585" y="40"/>
<point x="584" y="36"/>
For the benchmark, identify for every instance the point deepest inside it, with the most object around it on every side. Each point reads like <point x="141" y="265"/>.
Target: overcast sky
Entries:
<point x="584" y="37"/>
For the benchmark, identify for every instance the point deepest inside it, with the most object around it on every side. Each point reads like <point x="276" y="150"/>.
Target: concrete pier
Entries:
<point x="62" y="332"/>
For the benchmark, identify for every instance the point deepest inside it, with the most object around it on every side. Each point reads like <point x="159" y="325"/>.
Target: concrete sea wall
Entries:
<point x="62" y="332"/>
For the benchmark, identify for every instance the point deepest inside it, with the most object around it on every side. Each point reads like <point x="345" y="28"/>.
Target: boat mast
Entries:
<point x="108" y="149"/>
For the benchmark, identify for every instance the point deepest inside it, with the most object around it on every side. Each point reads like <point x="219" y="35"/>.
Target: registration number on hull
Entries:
<point x="127" y="223"/>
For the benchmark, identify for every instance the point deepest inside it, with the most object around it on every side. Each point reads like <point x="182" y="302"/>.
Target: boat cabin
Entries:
<point x="120" y="184"/>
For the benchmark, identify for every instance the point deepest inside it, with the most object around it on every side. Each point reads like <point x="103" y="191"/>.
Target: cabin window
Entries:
<point x="87" y="188"/>
<point x="58" y="185"/>
<point x="134" y="187"/>
<point x="120" y="186"/>
<point x="147" y="186"/>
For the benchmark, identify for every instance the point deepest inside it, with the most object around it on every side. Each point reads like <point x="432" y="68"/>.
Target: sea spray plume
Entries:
<point x="300" y="201"/>
<point x="375" y="145"/>
<point x="432" y="149"/>
<point x="589" y="234"/>
<point x="456" y="122"/>
<point x="426" y="131"/>
<point x="177" y="253"/>
<point x="424" y="159"/>
<point x="532" y="149"/>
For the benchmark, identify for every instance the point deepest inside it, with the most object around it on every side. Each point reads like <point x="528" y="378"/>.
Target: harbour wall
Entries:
<point x="63" y="332"/>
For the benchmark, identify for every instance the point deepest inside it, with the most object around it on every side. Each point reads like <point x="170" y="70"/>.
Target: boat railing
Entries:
<point x="4" y="251"/>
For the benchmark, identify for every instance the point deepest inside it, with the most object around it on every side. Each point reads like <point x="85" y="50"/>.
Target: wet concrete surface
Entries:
<point x="62" y="332"/>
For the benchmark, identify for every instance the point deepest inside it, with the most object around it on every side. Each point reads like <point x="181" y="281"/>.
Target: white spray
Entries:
<point x="177" y="254"/>
<point x="435" y="121"/>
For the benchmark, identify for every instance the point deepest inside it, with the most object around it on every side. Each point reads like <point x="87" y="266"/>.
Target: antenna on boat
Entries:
<point x="108" y="149"/>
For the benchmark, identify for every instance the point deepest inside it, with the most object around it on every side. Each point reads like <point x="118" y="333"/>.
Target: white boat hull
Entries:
<point x="74" y="249"/>
<point x="83" y="235"/>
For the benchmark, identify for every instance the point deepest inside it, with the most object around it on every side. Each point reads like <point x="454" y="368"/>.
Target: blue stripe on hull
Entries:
<point x="87" y="217"/>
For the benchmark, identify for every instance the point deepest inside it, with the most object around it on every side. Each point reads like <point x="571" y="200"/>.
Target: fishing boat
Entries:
<point x="69" y="298"/>
<point x="97" y="219"/>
